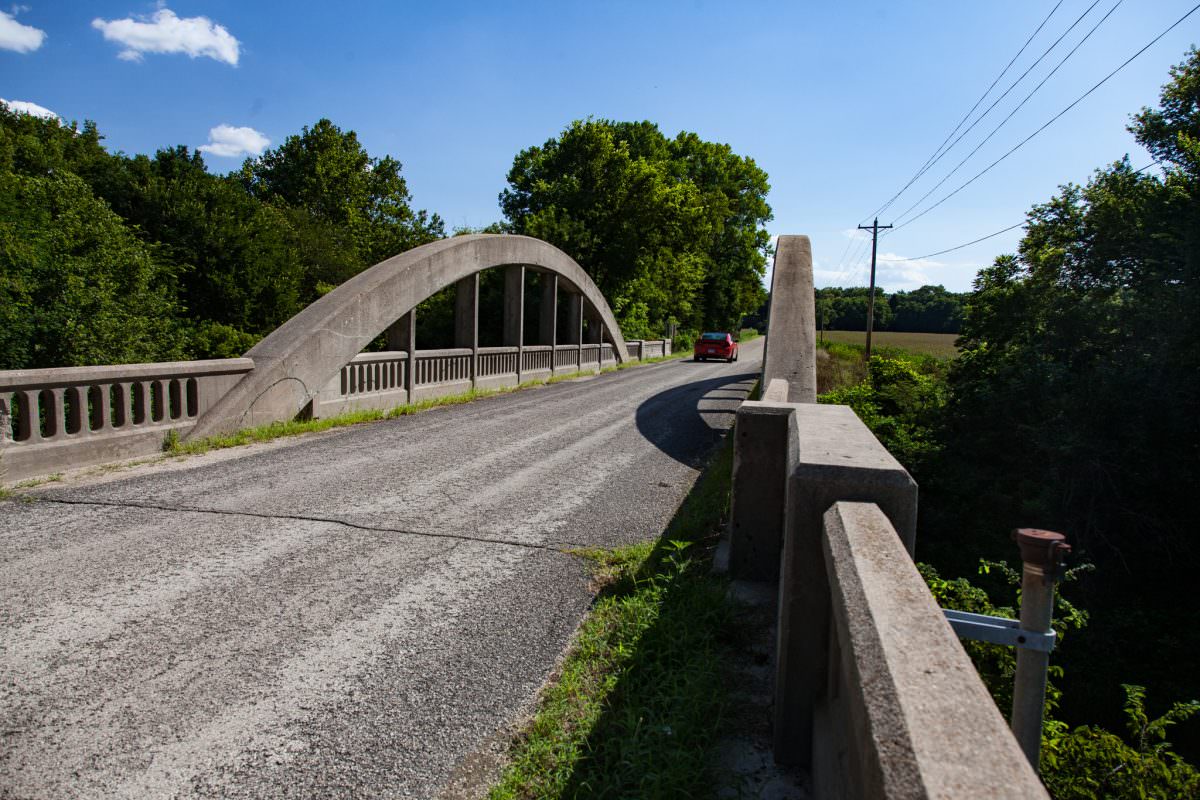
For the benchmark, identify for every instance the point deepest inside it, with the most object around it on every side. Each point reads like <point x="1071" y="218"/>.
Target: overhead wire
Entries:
<point x="1011" y="113"/>
<point x="1053" y="119"/>
<point x="961" y="246"/>
<point x="854" y="265"/>
<point x="942" y="148"/>
<point x="990" y="235"/>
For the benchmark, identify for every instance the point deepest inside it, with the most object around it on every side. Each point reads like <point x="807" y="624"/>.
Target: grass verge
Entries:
<point x="640" y="699"/>
<point x="172" y="445"/>
<point x="652" y="360"/>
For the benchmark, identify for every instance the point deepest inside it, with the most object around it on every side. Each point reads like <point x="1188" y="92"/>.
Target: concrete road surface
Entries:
<point x="349" y="614"/>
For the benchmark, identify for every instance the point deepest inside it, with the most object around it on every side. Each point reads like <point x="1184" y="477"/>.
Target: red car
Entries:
<point x="715" y="345"/>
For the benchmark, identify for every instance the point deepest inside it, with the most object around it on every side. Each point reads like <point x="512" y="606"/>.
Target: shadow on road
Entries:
<point x="687" y="421"/>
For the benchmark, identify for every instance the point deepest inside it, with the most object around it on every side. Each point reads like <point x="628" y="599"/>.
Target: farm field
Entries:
<point x="935" y="344"/>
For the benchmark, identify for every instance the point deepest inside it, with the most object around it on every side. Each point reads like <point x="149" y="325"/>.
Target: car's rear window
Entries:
<point x="714" y="337"/>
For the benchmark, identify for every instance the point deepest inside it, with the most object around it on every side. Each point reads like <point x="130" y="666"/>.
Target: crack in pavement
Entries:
<point x="460" y="537"/>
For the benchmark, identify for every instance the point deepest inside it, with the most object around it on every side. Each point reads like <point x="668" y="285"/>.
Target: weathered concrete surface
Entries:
<point x="351" y="614"/>
<point x="302" y="355"/>
<point x="791" y="351"/>
<point x="912" y="718"/>
<point x="764" y="451"/>
<point x="836" y="458"/>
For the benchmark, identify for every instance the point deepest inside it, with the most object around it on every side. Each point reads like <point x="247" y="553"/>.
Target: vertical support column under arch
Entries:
<point x="514" y="311"/>
<point x="594" y="333"/>
<point x="548" y="312"/>
<point x="466" y="320"/>
<point x="575" y="326"/>
<point x="402" y="335"/>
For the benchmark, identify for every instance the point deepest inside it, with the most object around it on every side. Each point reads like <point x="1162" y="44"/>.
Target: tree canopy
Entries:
<point x="1074" y="402"/>
<point x="110" y="258"/>
<point x="671" y="230"/>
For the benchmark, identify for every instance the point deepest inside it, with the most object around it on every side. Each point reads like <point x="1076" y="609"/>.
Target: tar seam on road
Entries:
<point x="301" y="518"/>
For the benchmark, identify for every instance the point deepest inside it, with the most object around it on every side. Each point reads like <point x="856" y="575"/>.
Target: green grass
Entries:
<point x="640" y="699"/>
<point x="940" y="345"/>
<point x="840" y="360"/>
<point x="748" y="334"/>
<point x="9" y="492"/>
<point x="653" y="360"/>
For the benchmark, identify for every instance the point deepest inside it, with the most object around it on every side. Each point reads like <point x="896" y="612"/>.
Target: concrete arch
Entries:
<point x="298" y="358"/>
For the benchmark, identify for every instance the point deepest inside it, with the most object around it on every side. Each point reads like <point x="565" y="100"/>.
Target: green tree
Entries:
<point x="360" y="201"/>
<point x="239" y="260"/>
<point x="670" y="230"/>
<point x="76" y="286"/>
<point x="929" y="309"/>
<point x="1073" y="406"/>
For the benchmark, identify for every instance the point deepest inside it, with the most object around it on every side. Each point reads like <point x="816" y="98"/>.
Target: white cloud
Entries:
<point x="896" y="273"/>
<point x="229" y="142"/>
<point x="32" y="109"/>
<point x="163" y="32"/>
<point x="15" y="36"/>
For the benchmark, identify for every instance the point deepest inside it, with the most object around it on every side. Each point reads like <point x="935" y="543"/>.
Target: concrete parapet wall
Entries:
<point x="904" y="714"/>
<point x="58" y="419"/>
<point x="836" y="457"/>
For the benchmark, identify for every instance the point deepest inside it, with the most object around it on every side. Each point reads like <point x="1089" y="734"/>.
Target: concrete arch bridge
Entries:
<point x="314" y="364"/>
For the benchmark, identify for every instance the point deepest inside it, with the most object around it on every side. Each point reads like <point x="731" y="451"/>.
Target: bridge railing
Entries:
<point x="57" y="419"/>
<point x="53" y="420"/>
<point x="873" y="692"/>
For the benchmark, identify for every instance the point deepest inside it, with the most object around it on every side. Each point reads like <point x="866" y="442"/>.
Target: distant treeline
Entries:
<point x="929" y="309"/>
<point x="107" y="258"/>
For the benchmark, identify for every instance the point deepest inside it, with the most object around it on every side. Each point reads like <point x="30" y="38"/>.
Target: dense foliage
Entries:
<point x="108" y="258"/>
<point x="901" y="396"/>
<point x="929" y="309"/>
<point x="1074" y="407"/>
<point x="671" y="230"/>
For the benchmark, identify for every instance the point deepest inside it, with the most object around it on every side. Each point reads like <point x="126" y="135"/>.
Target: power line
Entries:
<point x="857" y="262"/>
<point x="990" y="235"/>
<point x="1018" y="107"/>
<point x="1053" y="119"/>
<point x="940" y="152"/>
<point x="961" y="246"/>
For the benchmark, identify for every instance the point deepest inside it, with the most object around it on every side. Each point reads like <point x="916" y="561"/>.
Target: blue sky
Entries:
<point x="839" y="103"/>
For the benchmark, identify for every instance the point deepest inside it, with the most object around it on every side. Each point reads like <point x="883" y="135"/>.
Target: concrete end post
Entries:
<point x="764" y="451"/>
<point x="790" y="351"/>
<point x="838" y="458"/>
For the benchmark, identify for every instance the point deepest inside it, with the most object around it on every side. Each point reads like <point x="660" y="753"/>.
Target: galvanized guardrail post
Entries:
<point x="1042" y="553"/>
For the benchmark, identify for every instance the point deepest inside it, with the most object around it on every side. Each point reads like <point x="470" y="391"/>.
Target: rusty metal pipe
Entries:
<point x="1042" y="553"/>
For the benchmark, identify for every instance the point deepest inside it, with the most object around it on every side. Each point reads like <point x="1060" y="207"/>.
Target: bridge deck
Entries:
<point x="348" y="614"/>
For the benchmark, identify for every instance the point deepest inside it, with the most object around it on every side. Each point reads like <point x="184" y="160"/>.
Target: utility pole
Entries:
<point x="874" y="229"/>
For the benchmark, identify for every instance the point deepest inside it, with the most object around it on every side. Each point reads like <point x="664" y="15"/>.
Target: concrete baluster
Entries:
<point x="54" y="413"/>
<point x="5" y="420"/>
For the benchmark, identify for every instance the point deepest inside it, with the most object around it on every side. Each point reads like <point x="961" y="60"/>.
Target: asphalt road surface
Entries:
<point x="358" y="613"/>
